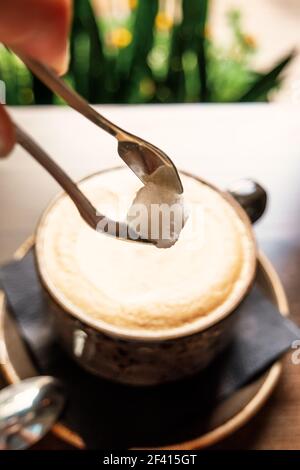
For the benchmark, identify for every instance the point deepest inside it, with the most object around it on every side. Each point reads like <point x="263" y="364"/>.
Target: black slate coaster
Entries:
<point x="111" y="415"/>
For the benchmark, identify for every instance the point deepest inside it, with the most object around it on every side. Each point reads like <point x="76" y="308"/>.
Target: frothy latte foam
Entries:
<point x="137" y="287"/>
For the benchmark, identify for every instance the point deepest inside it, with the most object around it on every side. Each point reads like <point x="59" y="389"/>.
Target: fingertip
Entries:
<point x="40" y="31"/>
<point x="62" y="64"/>
<point x="7" y="133"/>
<point x="57" y="52"/>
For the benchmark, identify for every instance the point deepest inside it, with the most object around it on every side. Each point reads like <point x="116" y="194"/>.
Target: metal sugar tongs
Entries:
<point x="142" y="157"/>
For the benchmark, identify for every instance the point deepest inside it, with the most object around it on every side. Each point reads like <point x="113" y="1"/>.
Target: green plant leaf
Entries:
<point x="201" y="52"/>
<point x="266" y="82"/>
<point x="175" y="80"/>
<point x="142" y="42"/>
<point x="79" y="49"/>
<point x="97" y="61"/>
<point x="132" y="61"/>
<point x="193" y="31"/>
<point x="88" y="65"/>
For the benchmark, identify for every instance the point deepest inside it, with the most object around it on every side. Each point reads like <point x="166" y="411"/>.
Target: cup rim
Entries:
<point x="202" y="324"/>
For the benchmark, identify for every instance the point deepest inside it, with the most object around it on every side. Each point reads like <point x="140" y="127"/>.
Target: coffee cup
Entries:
<point x="145" y="326"/>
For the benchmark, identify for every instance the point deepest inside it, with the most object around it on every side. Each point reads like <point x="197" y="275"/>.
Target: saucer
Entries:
<point x="224" y="419"/>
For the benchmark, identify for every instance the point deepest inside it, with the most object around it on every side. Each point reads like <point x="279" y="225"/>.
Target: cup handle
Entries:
<point x="251" y="196"/>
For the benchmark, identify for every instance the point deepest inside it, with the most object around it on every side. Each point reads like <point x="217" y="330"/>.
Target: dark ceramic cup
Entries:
<point x="135" y="359"/>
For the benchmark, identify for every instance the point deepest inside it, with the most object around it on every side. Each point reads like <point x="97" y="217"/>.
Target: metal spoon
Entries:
<point x="28" y="410"/>
<point x="142" y="157"/>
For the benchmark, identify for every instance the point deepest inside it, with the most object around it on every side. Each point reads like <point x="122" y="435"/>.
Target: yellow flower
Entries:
<point x="249" y="41"/>
<point x="147" y="87"/>
<point x="207" y="32"/>
<point x="26" y="96"/>
<point x="163" y="21"/>
<point x="120" y="37"/>
<point x="132" y="4"/>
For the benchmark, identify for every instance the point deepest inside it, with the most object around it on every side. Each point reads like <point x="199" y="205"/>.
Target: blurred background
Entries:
<point x="172" y="51"/>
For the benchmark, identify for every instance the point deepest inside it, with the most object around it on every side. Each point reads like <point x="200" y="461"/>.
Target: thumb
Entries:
<point x="7" y="133"/>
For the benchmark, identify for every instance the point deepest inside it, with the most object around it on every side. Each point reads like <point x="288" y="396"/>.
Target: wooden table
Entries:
<point x="218" y="142"/>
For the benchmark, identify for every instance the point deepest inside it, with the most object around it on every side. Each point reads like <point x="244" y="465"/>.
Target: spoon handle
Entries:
<point x="85" y="208"/>
<point x="59" y="86"/>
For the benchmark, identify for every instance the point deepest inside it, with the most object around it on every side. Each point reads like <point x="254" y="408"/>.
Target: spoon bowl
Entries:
<point x="28" y="410"/>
